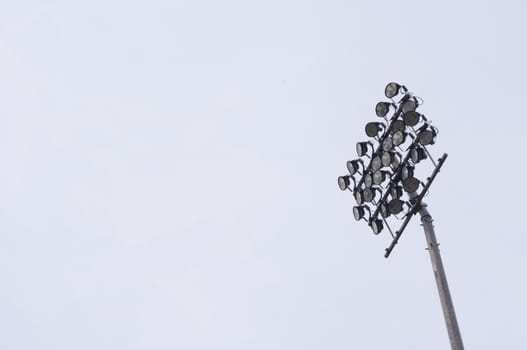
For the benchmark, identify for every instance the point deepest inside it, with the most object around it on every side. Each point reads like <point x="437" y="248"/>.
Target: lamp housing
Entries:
<point x="398" y="138"/>
<point x="398" y="125"/>
<point x="387" y="144"/>
<point x="410" y="104"/>
<point x="372" y="129"/>
<point x="380" y="176"/>
<point x="407" y="171"/>
<point x="392" y="89"/>
<point x="359" y="212"/>
<point x="395" y="206"/>
<point x="362" y="148"/>
<point x="376" y="163"/>
<point x="353" y="165"/>
<point x="382" y="108"/>
<point x="427" y="136"/>
<point x="376" y="225"/>
<point x="412" y="118"/>
<point x="367" y="179"/>
<point x="344" y="182"/>
<point x="417" y="154"/>
<point x="411" y="184"/>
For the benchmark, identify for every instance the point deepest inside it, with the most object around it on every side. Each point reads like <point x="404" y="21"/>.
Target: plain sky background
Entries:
<point x="169" y="174"/>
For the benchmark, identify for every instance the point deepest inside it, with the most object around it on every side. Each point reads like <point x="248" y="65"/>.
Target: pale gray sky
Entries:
<point x="169" y="174"/>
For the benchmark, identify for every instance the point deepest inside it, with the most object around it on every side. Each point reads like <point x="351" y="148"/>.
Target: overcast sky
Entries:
<point x="168" y="174"/>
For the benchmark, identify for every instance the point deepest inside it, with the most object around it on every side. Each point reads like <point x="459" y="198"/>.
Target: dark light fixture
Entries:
<point x="398" y="125"/>
<point x="359" y="212"/>
<point x="395" y="206"/>
<point x="392" y="89"/>
<point x="359" y="198"/>
<point x="409" y="105"/>
<point x="407" y="171"/>
<point x="373" y="128"/>
<point x="368" y="179"/>
<point x="427" y="136"/>
<point x="396" y="161"/>
<point x="382" y="108"/>
<point x="387" y="144"/>
<point x="390" y="158"/>
<point x="362" y="148"/>
<point x="410" y="184"/>
<point x="412" y="118"/>
<point x="353" y="165"/>
<point x="368" y="194"/>
<point x="398" y="137"/>
<point x="396" y="191"/>
<point x="376" y="163"/>
<point x="380" y="176"/>
<point x="383" y="209"/>
<point x="376" y="225"/>
<point x="344" y="182"/>
<point x="417" y="154"/>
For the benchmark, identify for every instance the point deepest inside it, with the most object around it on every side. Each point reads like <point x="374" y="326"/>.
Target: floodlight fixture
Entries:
<point x="412" y="118"/>
<point x="359" y="198"/>
<point x="383" y="209"/>
<point x="353" y="165"/>
<point x="368" y="179"/>
<point x="393" y="89"/>
<point x="398" y="125"/>
<point x="390" y="158"/>
<point x="409" y="105"/>
<point x="368" y="194"/>
<point x="394" y="165"/>
<point x="407" y="171"/>
<point x="362" y="148"/>
<point x="380" y="176"/>
<point x="345" y="181"/>
<point x="359" y="212"/>
<point x="427" y="136"/>
<point x="395" y="206"/>
<point x="374" y="128"/>
<point x="396" y="191"/>
<point x="387" y="144"/>
<point x="382" y="108"/>
<point x="411" y="184"/>
<point x="376" y="225"/>
<point x="417" y="154"/>
<point x="398" y="138"/>
<point x="376" y="163"/>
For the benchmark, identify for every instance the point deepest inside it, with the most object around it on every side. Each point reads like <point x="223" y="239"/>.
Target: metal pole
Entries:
<point x="439" y="272"/>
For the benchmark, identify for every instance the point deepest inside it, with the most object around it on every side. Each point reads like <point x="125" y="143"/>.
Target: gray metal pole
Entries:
<point x="439" y="272"/>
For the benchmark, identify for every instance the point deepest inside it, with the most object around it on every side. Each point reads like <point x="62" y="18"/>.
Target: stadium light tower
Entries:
<point x="385" y="187"/>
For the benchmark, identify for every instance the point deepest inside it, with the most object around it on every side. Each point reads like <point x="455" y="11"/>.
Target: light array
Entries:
<point x="383" y="179"/>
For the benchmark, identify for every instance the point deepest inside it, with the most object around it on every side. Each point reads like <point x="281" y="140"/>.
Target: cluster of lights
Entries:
<point x="382" y="178"/>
